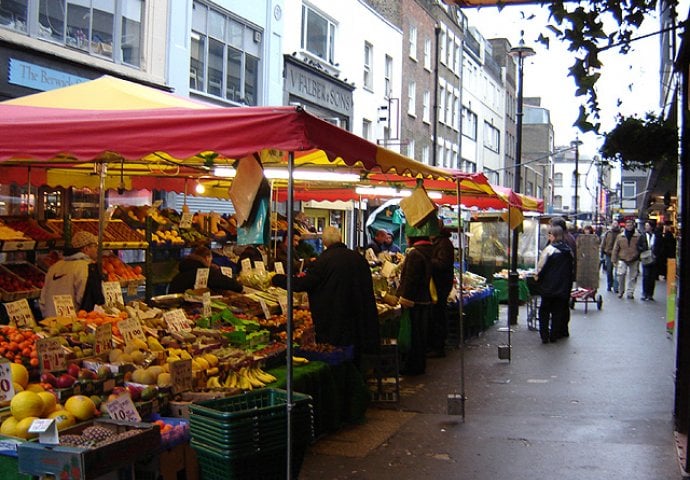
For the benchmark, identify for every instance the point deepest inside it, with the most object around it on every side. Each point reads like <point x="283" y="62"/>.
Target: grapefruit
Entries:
<point x="8" y="427"/>
<point x="19" y="374"/>
<point x="17" y="388"/>
<point x="63" y="419"/>
<point x="34" y="387"/>
<point x="26" y="404"/>
<point x="81" y="406"/>
<point x="49" y="402"/>
<point x="22" y="428"/>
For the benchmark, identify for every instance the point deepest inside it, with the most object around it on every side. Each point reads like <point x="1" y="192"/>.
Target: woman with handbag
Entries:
<point x="650" y="255"/>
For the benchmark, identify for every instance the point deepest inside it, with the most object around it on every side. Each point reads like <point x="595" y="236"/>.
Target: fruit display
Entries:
<point x="14" y="288"/>
<point x="118" y="271"/>
<point x="31" y="275"/>
<point x="19" y="346"/>
<point x="8" y="233"/>
<point x="115" y="235"/>
<point x="162" y="238"/>
<point x="30" y="228"/>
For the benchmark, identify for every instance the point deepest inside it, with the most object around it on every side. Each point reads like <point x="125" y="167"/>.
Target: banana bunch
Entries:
<point x="299" y="360"/>
<point x="248" y="378"/>
<point x="213" y="382"/>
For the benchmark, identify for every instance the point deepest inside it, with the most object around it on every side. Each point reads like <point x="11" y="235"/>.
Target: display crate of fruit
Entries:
<point x="14" y="288"/>
<point x="86" y="452"/>
<point x="27" y="272"/>
<point x="13" y="240"/>
<point x="116" y="234"/>
<point x="44" y="237"/>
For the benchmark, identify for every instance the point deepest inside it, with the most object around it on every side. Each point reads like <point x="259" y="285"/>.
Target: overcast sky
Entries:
<point x="632" y="78"/>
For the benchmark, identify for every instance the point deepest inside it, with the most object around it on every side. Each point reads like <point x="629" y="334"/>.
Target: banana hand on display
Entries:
<point x="299" y="360"/>
<point x="213" y="382"/>
<point x="264" y="376"/>
<point x="231" y="380"/>
<point x="255" y="382"/>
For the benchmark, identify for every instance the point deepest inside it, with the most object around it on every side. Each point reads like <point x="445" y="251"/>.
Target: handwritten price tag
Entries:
<point x="64" y="306"/>
<point x="264" y="307"/>
<point x="122" y="408"/>
<point x="227" y="271"/>
<point x="104" y="339"/>
<point x="283" y="302"/>
<point x="246" y="264"/>
<point x="20" y="314"/>
<point x="130" y="328"/>
<point x="206" y="304"/>
<point x="186" y="220"/>
<point x="112" y="292"/>
<point x="51" y="354"/>
<point x="181" y="375"/>
<point x="279" y="268"/>
<point x="6" y="385"/>
<point x="176" y="320"/>
<point x="46" y="429"/>
<point x="201" y="280"/>
<point x="260" y="267"/>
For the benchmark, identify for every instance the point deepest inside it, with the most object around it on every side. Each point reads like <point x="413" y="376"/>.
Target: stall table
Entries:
<point x="501" y="286"/>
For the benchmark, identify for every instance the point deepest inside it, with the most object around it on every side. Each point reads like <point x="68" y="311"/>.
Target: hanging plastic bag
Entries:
<point x="405" y="331"/>
<point x="254" y="232"/>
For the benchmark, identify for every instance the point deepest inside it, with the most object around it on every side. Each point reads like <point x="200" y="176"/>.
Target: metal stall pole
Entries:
<point x="101" y="212"/>
<point x="456" y="403"/>
<point x="289" y="325"/>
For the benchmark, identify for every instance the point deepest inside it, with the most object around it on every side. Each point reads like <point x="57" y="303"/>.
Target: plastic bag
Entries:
<point x="405" y="331"/>
<point x="255" y="231"/>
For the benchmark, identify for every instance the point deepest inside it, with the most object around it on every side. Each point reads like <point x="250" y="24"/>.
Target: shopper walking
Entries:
<point x="651" y="241"/>
<point x="626" y="256"/>
<point x="554" y="278"/>
<point x="606" y="250"/>
<point x="571" y="241"/>
<point x="443" y="273"/>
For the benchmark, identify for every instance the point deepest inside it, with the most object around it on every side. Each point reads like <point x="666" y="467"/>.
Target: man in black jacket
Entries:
<point x="201" y="258"/>
<point x="554" y="279"/>
<point x="442" y="271"/>
<point x="341" y="296"/>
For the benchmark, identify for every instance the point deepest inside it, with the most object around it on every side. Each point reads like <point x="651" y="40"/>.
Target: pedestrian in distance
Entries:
<point x="554" y="277"/>
<point x="443" y="273"/>
<point x="75" y="275"/>
<point x="651" y="241"/>
<point x="571" y="241"/>
<point x="668" y="249"/>
<point x="626" y="256"/>
<point x="606" y="250"/>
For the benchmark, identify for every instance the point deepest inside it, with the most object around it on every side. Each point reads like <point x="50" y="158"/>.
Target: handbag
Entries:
<point x="405" y="331"/>
<point x="647" y="257"/>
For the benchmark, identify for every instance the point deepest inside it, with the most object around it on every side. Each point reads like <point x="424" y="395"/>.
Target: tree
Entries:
<point x="641" y="143"/>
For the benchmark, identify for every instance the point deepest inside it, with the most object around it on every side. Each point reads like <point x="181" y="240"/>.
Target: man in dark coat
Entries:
<point x="201" y="258"/>
<point x="341" y="296"/>
<point x="442" y="263"/>
<point x="554" y="279"/>
<point x="651" y="240"/>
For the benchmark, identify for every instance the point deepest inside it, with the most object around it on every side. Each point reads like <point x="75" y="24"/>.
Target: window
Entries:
<point x="442" y="45"/>
<point x="557" y="202"/>
<point x="366" y="129"/>
<point x="225" y="56"/>
<point x="629" y="190"/>
<point x="491" y="175"/>
<point x="492" y="137"/>
<point x="425" y="154"/>
<point x="558" y="180"/>
<point x="413" y="43"/>
<point x="318" y="35"/>
<point x="410" y="148"/>
<point x="111" y="30"/>
<point x="469" y="123"/>
<point x="368" y="65"/>
<point x="411" y="102"/>
<point x="442" y="106"/>
<point x="448" y="113"/>
<point x="426" y="108"/>
<point x="427" y="54"/>
<point x="388" y="76"/>
<point x="454" y="111"/>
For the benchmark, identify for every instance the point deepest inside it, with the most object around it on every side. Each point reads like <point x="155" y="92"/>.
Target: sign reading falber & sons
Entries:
<point x="317" y="88"/>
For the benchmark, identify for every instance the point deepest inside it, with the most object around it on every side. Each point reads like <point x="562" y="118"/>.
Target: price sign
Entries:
<point x="279" y="268"/>
<point x="130" y="328"/>
<point x="246" y="264"/>
<point x="201" y="280"/>
<point x="264" y="307"/>
<point x="260" y="267"/>
<point x="206" y="304"/>
<point x="46" y="429"/>
<point x="6" y="385"/>
<point x="181" y="375"/>
<point x="186" y="220"/>
<point x="104" y="339"/>
<point x="176" y="320"/>
<point x="227" y="271"/>
<point x="64" y="306"/>
<point x="112" y="292"/>
<point x="20" y="314"/>
<point x="283" y="302"/>
<point x="50" y="354"/>
<point x="122" y="408"/>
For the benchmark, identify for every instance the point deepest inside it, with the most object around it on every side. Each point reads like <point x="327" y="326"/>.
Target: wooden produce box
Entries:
<point x="78" y="463"/>
<point x="116" y="235"/>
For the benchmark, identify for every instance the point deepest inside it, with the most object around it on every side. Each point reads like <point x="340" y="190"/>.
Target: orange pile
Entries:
<point x="117" y="270"/>
<point x="19" y="346"/>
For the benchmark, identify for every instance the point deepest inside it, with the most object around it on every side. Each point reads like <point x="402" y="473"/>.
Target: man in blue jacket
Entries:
<point x="554" y="279"/>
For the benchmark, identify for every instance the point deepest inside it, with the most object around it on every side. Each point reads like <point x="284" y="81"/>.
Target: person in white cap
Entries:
<point x="75" y="275"/>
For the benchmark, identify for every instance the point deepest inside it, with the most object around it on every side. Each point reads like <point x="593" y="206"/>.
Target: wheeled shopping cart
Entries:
<point x="587" y="272"/>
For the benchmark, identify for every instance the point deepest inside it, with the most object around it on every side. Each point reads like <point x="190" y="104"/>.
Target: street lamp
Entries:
<point x="576" y="145"/>
<point x="520" y="53"/>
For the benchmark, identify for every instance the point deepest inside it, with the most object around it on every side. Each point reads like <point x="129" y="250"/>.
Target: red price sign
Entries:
<point x="64" y="306"/>
<point x="6" y="385"/>
<point x="51" y="354"/>
<point x="104" y="338"/>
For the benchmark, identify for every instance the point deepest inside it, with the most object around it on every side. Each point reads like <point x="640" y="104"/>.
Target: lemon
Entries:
<point x="9" y="426"/>
<point x="20" y="374"/>
<point x="81" y="406"/>
<point x="49" y="402"/>
<point x="21" y="430"/>
<point x="26" y="404"/>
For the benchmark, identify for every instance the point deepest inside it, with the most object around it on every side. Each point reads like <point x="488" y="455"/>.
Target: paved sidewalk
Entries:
<point x="597" y="405"/>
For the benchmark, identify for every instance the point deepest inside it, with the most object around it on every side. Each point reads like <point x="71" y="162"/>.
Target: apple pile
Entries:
<point x="73" y="374"/>
<point x="33" y="230"/>
<point x="28" y="272"/>
<point x="12" y="283"/>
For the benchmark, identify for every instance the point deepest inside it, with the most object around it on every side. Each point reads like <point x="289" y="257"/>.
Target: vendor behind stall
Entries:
<point x="75" y="275"/>
<point x="201" y="258"/>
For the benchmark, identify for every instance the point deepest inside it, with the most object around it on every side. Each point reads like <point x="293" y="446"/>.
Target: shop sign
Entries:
<point x="39" y="77"/>
<point x="316" y="89"/>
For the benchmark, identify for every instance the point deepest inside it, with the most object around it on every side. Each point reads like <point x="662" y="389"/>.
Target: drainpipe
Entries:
<point x="434" y="154"/>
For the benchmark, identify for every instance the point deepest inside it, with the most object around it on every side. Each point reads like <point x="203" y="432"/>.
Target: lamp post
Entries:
<point x="576" y="145"/>
<point x="520" y="53"/>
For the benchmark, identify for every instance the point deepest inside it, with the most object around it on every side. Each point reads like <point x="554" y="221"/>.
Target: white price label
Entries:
<point x="64" y="306"/>
<point x="186" y="220"/>
<point x="130" y="328"/>
<point x="283" y="302"/>
<point x="122" y="408"/>
<point x="259" y="266"/>
<point x="176" y="320"/>
<point x="51" y="354"/>
<point x="181" y="375"/>
<point x="20" y="314"/>
<point x="264" y="307"/>
<point x="112" y="293"/>
<point x="227" y="271"/>
<point x="104" y="338"/>
<point x="206" y="304"/>
<point x="46" y="429"/>
<point x="279" y="268"/>
<point x="6" y="385"/>
<point x="246" y="264"/>
<point x="201" y="280"/>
